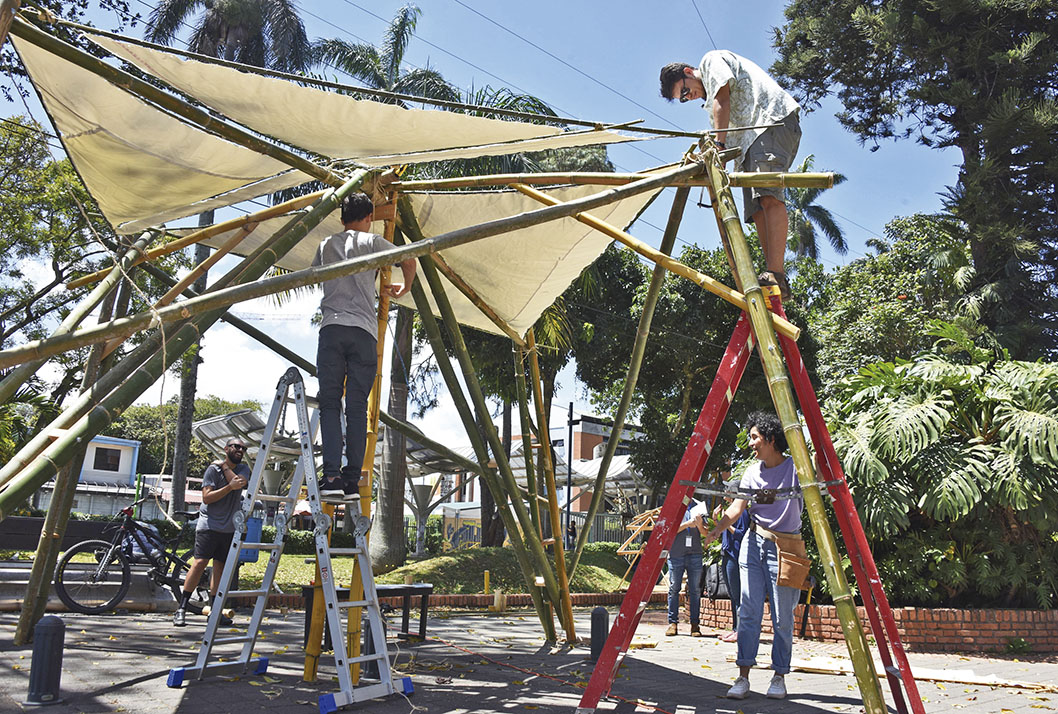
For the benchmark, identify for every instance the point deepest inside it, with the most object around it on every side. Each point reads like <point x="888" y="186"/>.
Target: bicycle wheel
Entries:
<point x="92" y="577"/>
<point x="200" y="597"/>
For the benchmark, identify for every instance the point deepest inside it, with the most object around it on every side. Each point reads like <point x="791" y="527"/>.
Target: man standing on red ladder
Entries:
<point x="774" y="527"/>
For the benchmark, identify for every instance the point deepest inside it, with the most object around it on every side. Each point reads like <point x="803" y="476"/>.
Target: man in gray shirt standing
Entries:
<point x="221" y="498"/>
<point x="346" y="358"/>
<point x="739" y="93"/>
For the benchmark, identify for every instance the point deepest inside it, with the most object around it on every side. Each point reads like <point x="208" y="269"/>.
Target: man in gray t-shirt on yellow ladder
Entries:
<point x="346" y="358"/>
<point x="738" y="93"/>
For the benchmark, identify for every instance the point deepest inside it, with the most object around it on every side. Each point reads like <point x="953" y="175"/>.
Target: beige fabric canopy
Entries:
<point x="518" y="274"/>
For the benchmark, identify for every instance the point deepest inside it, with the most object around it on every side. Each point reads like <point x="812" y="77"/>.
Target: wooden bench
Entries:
<point x="23" y="532"/>
<point x="406" y="592"/>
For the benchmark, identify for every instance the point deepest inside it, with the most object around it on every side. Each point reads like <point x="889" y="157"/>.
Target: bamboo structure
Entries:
<point x="599" y="178"/>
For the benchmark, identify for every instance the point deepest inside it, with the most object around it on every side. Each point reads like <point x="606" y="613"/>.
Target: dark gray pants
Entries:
<point x="345" y="363"/>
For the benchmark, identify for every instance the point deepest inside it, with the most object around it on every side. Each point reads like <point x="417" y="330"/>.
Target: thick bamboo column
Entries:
<point x="701" y="279"/>
<point x="782" y="396"/>
<point x="222" y="296"/>
<point x="140" y="379"/>
<point x="527" y="436"/>
<point x="548" y="463"/>
<point x="635" y="362"/>
<point x="153" y="95"/>
<point x="481" y="452"/>
<point x="470" y="378"/>
<point x="16" y="377"/>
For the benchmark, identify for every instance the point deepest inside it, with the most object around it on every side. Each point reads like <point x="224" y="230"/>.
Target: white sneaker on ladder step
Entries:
<point x="777" y="688"/>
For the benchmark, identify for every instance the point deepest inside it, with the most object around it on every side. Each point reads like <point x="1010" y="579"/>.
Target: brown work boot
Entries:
<point x="695" y="630"/>
<point x="671" y="631"/>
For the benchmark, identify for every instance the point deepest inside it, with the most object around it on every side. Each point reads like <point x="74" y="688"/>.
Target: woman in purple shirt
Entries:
<point x="758" y="559"/>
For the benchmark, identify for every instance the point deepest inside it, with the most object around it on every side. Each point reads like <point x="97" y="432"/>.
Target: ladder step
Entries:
<point x="261" y="546"/>
<point x="247" y="593"/>
<point x="273" y="499"/>
<point x="345" y="551"/>
<point x="355" y="603"/>
<point x="232" y="640"/>
<point x="366" y="658"/>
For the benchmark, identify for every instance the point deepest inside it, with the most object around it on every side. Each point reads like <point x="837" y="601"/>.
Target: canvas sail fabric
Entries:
<point x="340" y="126"/>
<point x="518" y="274"/>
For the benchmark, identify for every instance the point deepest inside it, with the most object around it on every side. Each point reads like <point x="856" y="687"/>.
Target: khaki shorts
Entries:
<point x="774" y="150"/>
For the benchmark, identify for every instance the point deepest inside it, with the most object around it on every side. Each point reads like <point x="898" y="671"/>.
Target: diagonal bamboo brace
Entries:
<point x="711" y="284"/>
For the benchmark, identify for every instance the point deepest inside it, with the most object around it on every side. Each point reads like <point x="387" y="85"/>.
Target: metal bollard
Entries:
<point x="46" y="668"/>
<point x="600" y="628"/>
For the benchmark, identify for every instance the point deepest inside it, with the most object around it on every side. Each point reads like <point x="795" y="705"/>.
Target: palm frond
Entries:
<point x="167" y="19"/>
<point x="289" y="44"/>
<point x="360" y="60"/>
<point x="395" y="42"/>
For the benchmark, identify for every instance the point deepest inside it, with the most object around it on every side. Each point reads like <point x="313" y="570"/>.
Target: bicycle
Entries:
<point x="93" y="576"/>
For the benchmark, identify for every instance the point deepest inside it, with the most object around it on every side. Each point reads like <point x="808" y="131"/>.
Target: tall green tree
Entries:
<point x="806" y="217"/>
<point x="264" y="33"/>
<point x="977" y="76"/>
<point x="953" y="461"/>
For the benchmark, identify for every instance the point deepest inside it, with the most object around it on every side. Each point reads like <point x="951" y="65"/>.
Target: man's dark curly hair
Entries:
<point x="356" y="206"/>
<point x="769" y="427"/>
<point x="670" y="74"/>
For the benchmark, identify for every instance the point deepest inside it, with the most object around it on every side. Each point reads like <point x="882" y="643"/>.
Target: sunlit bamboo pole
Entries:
<point x="141" y="375"/>
<point x="635" y="362"/>
<point x="481" y="452"/>
<point x="548" y="470"/>
<point x="527" y="436"/>
<point x="17" y="377"/>
<point x="698" y="278"/>
<point x="223" y="297"/>
<point x="280" y="209"/>
<point x="600" y="178"/>
<point x="509" y="485"/>
<point x="779" y="385"/>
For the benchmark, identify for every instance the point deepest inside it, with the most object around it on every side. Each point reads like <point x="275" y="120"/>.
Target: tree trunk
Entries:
<point x="388" y="547"/>
<point x="188" y="387"/>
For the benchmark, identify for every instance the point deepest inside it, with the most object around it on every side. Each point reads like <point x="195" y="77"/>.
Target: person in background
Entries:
<point x="685" y="556"/>
<point x="731" y="542"/>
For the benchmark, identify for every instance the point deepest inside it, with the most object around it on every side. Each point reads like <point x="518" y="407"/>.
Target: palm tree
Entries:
<point x="264" y="33"/>
<point x="380" y="68"/>
<point x="805" y="216"/>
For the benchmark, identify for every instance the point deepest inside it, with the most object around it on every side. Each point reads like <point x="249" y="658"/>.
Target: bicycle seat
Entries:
<point x="186" y="515"/>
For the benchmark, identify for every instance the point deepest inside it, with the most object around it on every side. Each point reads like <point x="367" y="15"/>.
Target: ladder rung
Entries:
<point x="345" y="551"/>
<point x="365" y="658"/>
<point x="261" y="546"/>
<point x="247" y="593"/>
<point x="354" y="603"/>
<point x="232" y="640"/>
<point x="273" y="499"/>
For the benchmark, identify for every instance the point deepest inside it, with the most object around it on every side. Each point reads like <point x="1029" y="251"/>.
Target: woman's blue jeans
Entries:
<point x="758" y="569"/>
<point x="690" y="563"/>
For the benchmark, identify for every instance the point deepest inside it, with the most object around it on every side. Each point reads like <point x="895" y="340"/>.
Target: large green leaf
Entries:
<point x="910" y="423"/>
<point x="1031" y="427"/>
<point x="853" y="441"/>
<point x="952" y="475"/>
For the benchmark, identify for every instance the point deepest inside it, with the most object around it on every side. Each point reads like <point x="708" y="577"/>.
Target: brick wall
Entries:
<point x="922" y="629"/>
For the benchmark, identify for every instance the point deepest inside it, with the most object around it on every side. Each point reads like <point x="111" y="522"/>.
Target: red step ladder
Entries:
<point x="692" y="466"/>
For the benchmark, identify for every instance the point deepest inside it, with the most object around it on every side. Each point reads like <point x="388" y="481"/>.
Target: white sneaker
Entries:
<point x="739" y="689"/>
<point x="777" y="688"/>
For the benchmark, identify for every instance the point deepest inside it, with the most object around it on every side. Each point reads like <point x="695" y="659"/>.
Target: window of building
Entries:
<point x="107" y="459"/>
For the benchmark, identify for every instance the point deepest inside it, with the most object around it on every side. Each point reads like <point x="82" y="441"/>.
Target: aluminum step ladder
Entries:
<point x="245" y="661"/>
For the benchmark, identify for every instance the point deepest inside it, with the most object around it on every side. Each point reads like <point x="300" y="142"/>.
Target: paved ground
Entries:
<point x="119" y="663"/>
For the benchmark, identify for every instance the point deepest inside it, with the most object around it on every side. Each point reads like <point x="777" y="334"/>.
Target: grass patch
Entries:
<point x="455" y="573"/>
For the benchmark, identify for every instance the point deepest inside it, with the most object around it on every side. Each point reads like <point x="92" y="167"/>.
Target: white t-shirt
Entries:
<point x="350" y="300"/>
<point x="756" y="98"/>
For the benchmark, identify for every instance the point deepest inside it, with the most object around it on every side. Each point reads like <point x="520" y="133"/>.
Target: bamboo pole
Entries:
<point x="477" y="397"/>
<point x="701" y="279"/>
<point x="154" y="95"/>
<point x="527" y="436"/>
<point x="100" y="415"/>
<point x="412" y="432"/>
<point x="7" y="13"/>
<point x="601" y="178"/>
<point x="444" y="364"/>
<point x="280" y="209"/>
<point x="635" y="362"/>
<point x="16" y="377"/>
<point x="549" y="483"/>
<point x="407" y="222"/>
<point x="779" y="385"/>
<point x="223" y="297"/>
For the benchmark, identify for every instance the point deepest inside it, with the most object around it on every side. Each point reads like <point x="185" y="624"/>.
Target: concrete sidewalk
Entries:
<point x="493" y="663"/>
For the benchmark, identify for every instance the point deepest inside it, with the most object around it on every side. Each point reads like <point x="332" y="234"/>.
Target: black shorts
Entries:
<point x="213" y="544"/>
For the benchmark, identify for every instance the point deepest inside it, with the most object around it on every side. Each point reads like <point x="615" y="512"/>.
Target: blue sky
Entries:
<point x="598" y="61"/>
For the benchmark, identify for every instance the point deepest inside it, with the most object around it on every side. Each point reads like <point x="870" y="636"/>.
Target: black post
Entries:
<point x="600" y="628"/>
<point x="46" y="667"/>
<point x="569" y="473"/>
